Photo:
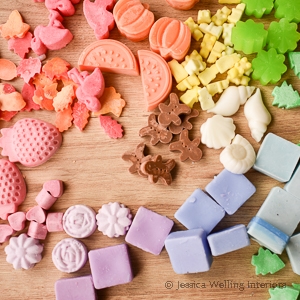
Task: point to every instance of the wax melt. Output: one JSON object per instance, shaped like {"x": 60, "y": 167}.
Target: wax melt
{"x": 285, "y": 96}
{"x": 258, "y": 8}
{"x": 182, "y": 4}
{"x": 37, "y": 214}
{"x": 64, "y": 7}
{"x": 288, "y": 10}
{"x": 6, "y": 232}
{"x": 10, "y": 99}
{"x": 37, "y": 230}
{"x": 292, "y": 186}
{"x": 294, "y": 59}
{"x": 287, "y": 293}
{"x": 293, "y": 252}
{"x": 17, "y": 220}
{"x": 54, "y": 221}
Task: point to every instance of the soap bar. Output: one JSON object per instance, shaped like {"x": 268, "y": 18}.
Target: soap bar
{"x": 200, "y": 211}
{"x": 189, "y": 251}
{"x": 293, "y": 252}
{"x": 267, "y": 235}
{"x": 285, "y": 153}
{"x": 230, "y": 190}
{"x": 293, "y": 185}
{"x": 110, "y": 266}
{"x": 228, "y": 240}
{"x": 149, "y": 230}
{"x": 281, "y": 209}
{"x": 80, "y": 288}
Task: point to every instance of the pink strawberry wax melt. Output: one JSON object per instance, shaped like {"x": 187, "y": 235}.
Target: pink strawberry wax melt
{"x": 30, "y": 141}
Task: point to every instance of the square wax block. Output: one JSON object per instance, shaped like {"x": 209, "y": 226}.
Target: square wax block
{"x": 267, "y": 235}
{"x": 293, "y": 185}
{"x": 110, "y": 266}
{"x": 189, "y": 251}
{"x": 277, "y": 157}
{"x": 293, "y": 251}
{"x": 149, "y": 230}
{"x": 79, "y": 288}
{"x": 281, "y": 209}
{"x": 230, "y": 190}
{"x": 200, "y": 211}
{"x": 228, "y": 240}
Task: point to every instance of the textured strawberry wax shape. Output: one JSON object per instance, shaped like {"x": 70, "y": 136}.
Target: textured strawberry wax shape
{"x": 30, "y": 141}
{"x": 12, "y": 188}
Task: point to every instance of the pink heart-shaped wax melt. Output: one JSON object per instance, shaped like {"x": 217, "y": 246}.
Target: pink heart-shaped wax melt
{"x": 17, "y": 220}
{"x": 54, "y": 187}
{"x": 37, "y": 214}
{"x": 5, "y": 232}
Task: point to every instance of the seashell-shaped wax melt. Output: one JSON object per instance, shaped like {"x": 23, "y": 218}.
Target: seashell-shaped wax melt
{"x": 257, "y": 115}
{"x": 217, "y": 132}
{"x": 239, "y": 156}
{"x": 231, "y": 99}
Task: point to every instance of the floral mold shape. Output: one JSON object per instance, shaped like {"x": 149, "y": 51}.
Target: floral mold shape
{"x": 113, "y": 219}
{"x": 268, "y": 66}
{"x": 287, "y": 9}
{"x": 258, "y": 8}
{"x": 283, "y": 36}
{"x": 249, "y": 37}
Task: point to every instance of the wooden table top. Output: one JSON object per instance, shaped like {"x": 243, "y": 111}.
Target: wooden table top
{"x": 90, "y": 165}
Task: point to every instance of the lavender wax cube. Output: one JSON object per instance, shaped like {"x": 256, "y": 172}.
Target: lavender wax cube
{"x": 110, "y": 266}
{"x": 230, "y": 190}
{"x": 149, "y": 230}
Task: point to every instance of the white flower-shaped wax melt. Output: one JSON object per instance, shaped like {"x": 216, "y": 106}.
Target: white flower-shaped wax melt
{"x": 217, "y": 132}
{"x": 257, "y": 115}
{"x": 231, "y": 99}
{"x": 23, "y": 251}
{"x": 239, "y": 156}
{"x": 113, "y": 219}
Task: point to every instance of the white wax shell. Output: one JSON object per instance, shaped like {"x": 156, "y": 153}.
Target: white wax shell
{"x": 231, "y": 99}
{"x": 257, "y": 115}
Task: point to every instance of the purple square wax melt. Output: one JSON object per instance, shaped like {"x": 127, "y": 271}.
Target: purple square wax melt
{"x": 149, "y": 230}
{"x": 200, "y": 211}
{"x": 230, "y": 190}
{"x": 189, "y": 251}
{"x": 110, "y": 266}
{"x": 79, "y": 288}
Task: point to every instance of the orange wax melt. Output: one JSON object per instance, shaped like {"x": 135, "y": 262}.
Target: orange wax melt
{"x": 182, "y": 4}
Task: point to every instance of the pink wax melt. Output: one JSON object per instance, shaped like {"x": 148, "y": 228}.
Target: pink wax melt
{"x": 17, "y": 220}
{"x": 54, "y": 222}
{"x": 37, "y": 214}
{"x": 5, "y": 232}
{"x": 37, "y": 230}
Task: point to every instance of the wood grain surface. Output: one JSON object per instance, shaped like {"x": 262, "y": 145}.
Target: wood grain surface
{"x": 90, "y": 165}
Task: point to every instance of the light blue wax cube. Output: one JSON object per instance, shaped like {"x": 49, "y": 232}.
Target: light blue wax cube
{"x": 293, "y": 251}
{"x": 277, "y": 157}
{"x": 200, "y": 211}
{"x": 228, "y": 240}
{"x": 230, "y": 190}
{"x": 281, "y": 209}
{"x": 293, "y": 185}
{"x": 267, "y": 235}
{"x": 189, "y": 251}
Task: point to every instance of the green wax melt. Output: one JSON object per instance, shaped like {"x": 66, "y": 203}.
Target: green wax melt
{"x": 289, "y": 9}
{"x": 266, "y": 262}
{"x": 286, "y": 293}
{"x": 283, "y": 36}
{"x": 249, "y": 37}
{"x": 268, "y": 66}
{"x": 294, "y": 58}
{"x": 258, "y": 8}
{"x": 285, "y": 96}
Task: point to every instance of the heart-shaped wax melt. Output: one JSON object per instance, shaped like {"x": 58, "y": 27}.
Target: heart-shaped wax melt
{"x": 17, "y": 220}
{"x": 5, "y": 232}
{"x": 37, "y": 214}
{"x": 54, "y": 187}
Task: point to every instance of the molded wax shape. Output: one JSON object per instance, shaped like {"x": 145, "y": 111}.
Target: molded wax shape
{"x": 200, "y": 211}
{"x": 98, "y": 16}
{"x": 230, "y": 190}
{"x": 257, "y": 115}
{"x": 268, "y": 66}
{"x": 79, "y": 221}
{"x": 231, "y": 99}
{"x": 10, "y": 99}
{"x": 228, "y": 240}
{"x": 64, "y": 7}
{"x": 293, "y": 252}
{"x": 5, "y": 232}
{"x": 283, "y": 36}
{"x": 109, "y": 56}
{"x": 239, "y": 156}
{"x": 285, "y": 96}
{"x": 287, "y": 9}
{"x": 134, "y": 19}
{"x": 281, "y": 209}
{"x": 189, "y": 251}
{"x": 293, "y": 185}
{"x": 258, "y": 8}
{"x": 37, "y": 214}
{"x": 170, "y": 38}
{"x": 23, "y": 251}
{"x": 217, "y": 132}
{"x": 286, "y": 293}
{"x": 266, "y": 262}
{"x": 267, "y": 235}
{"x": 17, "y": 220}
{"x": 75, "y": 288}
{"x": 110, "y": 266}
{"x": 294, "y": 58}
{"x": 54, "y": 222}
{"x": 285, "y": 153}
{"x": 69, "y": 255}
{"x": 8, "y": 70}
{"x": 249, "y": 37}
{"x": 182, "y": 4}
{"x": 149, "y": 230}
{"x": 37, "y": 230}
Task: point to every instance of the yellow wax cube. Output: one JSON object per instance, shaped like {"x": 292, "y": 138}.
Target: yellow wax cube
{"x": 216, "y": 52}
{"x": 204, "y": 16}
{"x": 177, "y": 70}
{"x": 188, "y": 83}
{"x": 205, "y": 99}
{"x": 236, "y": 13}
{"x": 207, "y": 44}
{"x": 190, "y": 97}
{"x": 208, "y": 75}
{"x": 221, "y": 16}
{"x": 217, "y": 87}
{"x": 212, "y": 29}
{"x": 227, "y": 29}
{"x": 226, "y": 62}
{"x": 194, "y": 28}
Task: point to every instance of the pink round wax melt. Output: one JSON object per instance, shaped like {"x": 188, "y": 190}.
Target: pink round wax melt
{"x": 79, "y": 221}
{"x": 69, "y": 255}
